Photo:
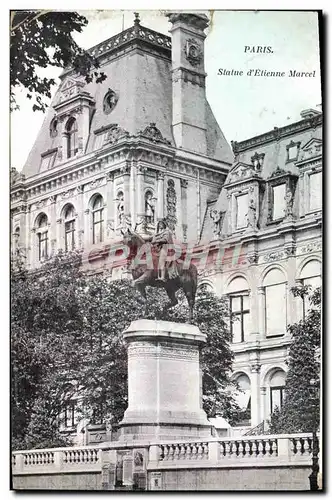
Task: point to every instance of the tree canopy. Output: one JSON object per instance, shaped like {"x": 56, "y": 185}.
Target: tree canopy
{"x": 66, "y": 342}
{"x": 45, "y": 38}
{"x": 301, "y": 409}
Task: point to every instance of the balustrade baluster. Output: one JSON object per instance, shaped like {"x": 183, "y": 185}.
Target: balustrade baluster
{"x": 182, "y": 451}
{"x": 200, "y": 451}
{"x": 176, "y": 452}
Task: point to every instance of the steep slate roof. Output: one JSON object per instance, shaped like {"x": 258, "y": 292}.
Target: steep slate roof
{"x": 137, "y": 63}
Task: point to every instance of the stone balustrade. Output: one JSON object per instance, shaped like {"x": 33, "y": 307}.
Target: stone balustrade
{"x": 261, "y": 451}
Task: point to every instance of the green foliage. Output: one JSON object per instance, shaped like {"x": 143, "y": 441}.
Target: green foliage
{"x": 300, "y": 412}
{"x": 44, "y": 38}
{"x": 66, "y": 342}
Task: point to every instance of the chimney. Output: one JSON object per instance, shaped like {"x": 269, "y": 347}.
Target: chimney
{"x": 188, "y": 80}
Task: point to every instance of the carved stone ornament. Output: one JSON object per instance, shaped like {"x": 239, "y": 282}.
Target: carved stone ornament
{"x": 115, "y": 133}
{"x": 251, "y": 216}
{"x": 171, "y": 205}
{"x": 16, "y": 177}
{"x": 217, "y": 217}
{"x": 152, "y": 133}
{"x": 257, "y": 160}
{"x": 110, "y": 101}
{"x": 193, "y": 51}
{"x": 278, "y": 171}
{"x": 138, "y": 459}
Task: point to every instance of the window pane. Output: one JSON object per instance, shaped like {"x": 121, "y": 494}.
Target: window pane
{"x": 241, "y": 210}
{"x": 235, "y": 304}
{"x": 279, "y": 201}
{"x": 237, "y": 329}
{"x": 246, "y": 322}
{"x": 245, "y": 302}
{"x": 275, "y": 399}
{"x": 275, "y": 309}
{"x": 315, "y": 191}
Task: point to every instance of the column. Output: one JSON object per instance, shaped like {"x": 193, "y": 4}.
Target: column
{"x": 79, "y": 242}
{"x": 59, "y": 232}
{"x": 126, "y": 194}
{"x": 140, "y": 195}
{"x": 132, "y": 201}
{"x": 110, "y": 223}
{"x": 261, "y": 311}
{"x": 298, "y": 303}
{"x": 184, "y": 185}
{"x": 53, "y": 235}
{"x": 198, "y": 201}
{"x": 255, "y": 394}
{"x": 263, "y": 405}
{"x": 160, "y": 195}
{"x": 33, "y": 255}
{"x": 87, "y": 235}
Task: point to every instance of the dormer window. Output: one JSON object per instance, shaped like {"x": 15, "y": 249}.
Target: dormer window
{"x": 71, "y": 133}
{"x": 292, "y": 149}
{"x": 241, "y": 211}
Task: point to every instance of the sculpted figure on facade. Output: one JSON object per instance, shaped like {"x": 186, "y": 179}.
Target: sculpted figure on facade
{"x": 289, "y": 203}
{"x": 149, "y": 208}
{"x": 251, "y": 215}
{"x": 217, "y": 218}
{"x": 120, "y": 208}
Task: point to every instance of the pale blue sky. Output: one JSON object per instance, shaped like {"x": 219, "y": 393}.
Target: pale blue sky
{"x": 243, "y": 106}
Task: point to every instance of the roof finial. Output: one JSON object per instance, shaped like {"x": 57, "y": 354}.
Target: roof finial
{"x": 137, "y": 19}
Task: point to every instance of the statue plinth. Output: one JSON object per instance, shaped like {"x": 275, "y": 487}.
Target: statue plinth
{"x": 164, "y": 382}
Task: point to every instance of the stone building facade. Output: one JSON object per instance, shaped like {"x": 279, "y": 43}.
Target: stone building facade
{"x": 144, "y": 145}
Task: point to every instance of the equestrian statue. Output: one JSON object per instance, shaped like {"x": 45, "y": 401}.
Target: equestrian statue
{"x": 160, "y": 272}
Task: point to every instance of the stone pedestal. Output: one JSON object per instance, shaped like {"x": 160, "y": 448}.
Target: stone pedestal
{"x": 164, "y": 382}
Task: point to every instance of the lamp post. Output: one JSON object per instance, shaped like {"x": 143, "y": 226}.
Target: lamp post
{"x": 315, "y": 446}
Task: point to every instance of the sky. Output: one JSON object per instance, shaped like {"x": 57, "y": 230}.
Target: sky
{"x": 243, "y": 106}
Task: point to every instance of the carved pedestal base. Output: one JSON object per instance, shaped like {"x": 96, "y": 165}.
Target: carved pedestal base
{"x": 164, "y": 382}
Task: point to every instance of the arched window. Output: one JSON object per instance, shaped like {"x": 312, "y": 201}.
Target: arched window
{"x": 277, "y": 388}
{"x": 243, "y": 398}
{"x": 275, "y": 303}
{"x": 311, "y": 275}
{"x": 239, "y": 308}
{"x": 69, "y": 216}
{"x": 71, "y": 132}
{"x": 205, "y": 287}
{"x": 42, "y": 234}
{"x": 97, "y": 219}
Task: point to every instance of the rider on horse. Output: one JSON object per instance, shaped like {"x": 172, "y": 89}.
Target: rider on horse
{"x": 161, "y": 241}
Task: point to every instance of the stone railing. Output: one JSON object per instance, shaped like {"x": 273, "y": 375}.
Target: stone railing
{"x": 260, "y": 451}
{"x": 245, "y": 450}
{"x": 56, "y": 460}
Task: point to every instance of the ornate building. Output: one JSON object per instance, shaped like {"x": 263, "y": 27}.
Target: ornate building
{"x": 144, "y": 145}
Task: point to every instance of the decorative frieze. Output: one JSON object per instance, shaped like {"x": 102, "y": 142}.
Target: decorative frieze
{"x": 273, "y": 256}
{"x": 162, "y": 350}
{"x": 315, "y": 246}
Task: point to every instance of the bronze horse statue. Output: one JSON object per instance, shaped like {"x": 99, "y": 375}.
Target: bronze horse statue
{"x": 146, "y": 275}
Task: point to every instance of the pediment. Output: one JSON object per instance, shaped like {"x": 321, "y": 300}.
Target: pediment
{"x": 241, "y": 171}
{"x": 311, "y": 149}
{"x": 69, "y": 88}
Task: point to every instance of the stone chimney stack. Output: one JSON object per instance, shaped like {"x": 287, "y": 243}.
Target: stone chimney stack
{"x": 188, "y": 80}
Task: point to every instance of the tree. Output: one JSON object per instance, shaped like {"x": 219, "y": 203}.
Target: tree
{"x": 301, "y": 408}
{"x": 44, "y": 38}
{"x": 67, "y": 343}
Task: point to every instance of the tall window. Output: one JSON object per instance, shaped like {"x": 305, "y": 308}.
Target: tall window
{"x": 241, "y": 211}
{"x": 315, "y": 191}
{"x": 310, "y": 275}
{"x": 243, "y": 398}
{"x": 275, "y": 303}
{"x": 70, "y": 415}
{"x": 97, "y": 216}
{"x": 71, "y": 132}
{"x": 42, "y": 234}
{"x": 278, "y": 200}
{"x": 239, "y": 309}
{"x": 69, "y": 216}
{"x": 277, "y": 388}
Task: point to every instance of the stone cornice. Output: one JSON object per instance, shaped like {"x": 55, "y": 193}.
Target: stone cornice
{"x": 277, "y": 134}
